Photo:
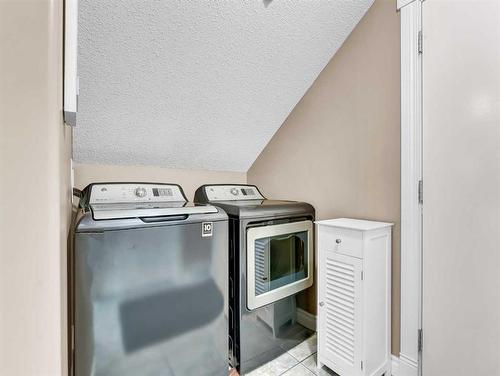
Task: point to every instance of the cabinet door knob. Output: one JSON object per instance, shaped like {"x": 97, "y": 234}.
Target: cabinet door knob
{"x": 321, "y": 304}
{"x": 338, "y": 241}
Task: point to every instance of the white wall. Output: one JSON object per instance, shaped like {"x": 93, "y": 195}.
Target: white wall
{"x": 461, "y": 229}
{"x": 198, "y": 84}
{"x": 35, "y": 149}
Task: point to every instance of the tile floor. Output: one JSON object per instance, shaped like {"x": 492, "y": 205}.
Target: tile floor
{"x": 298, "y": 361}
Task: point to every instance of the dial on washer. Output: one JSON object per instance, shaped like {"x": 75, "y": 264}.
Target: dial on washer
{"x": 140, "y": 192}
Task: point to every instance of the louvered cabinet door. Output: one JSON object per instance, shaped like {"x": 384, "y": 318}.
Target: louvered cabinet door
{"x": 339, "y": 313}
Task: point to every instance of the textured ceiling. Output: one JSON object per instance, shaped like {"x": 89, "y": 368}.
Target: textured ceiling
{"x": 198, "y": 84}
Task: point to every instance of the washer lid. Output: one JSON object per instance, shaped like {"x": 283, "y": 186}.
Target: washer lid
{"x": 144, "y": 210}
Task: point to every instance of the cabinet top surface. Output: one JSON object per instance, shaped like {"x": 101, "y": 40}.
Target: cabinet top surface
{"x": 354, "y": 224}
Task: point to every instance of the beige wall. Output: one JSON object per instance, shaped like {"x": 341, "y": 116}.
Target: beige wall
{"x": 340, "y": 147}
{"x": 35, "y": 148}
{"x": 189, "y": 180}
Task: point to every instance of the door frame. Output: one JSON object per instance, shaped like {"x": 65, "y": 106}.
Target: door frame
{"x": 410, "y": 356}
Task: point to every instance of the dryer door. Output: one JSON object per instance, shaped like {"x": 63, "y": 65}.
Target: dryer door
{"x": 279, "y": 261}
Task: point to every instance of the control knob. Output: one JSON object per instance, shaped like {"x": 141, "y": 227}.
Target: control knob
{"x": 141, "y": 192}
{"x": 234, "y": 191}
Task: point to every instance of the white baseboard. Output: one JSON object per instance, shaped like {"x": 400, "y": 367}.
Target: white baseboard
{"x": 306, "y": 319}
{"x": 395, "y": 365}
{"x": 407, "y": 366}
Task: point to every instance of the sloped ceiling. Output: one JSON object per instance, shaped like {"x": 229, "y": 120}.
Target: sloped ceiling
{"x": 198, "y": 84}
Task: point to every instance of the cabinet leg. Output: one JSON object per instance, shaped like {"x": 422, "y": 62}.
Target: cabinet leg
{"x": 319, "y": 365}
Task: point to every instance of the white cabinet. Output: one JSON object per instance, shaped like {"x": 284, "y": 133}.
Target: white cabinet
{"x": 354, "y": 296}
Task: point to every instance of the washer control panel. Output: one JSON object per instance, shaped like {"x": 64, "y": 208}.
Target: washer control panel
{"x": 232, "y": 192}
{"x": 135, "y": 192}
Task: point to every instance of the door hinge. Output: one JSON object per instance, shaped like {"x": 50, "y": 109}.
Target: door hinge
{"x": 362, "y": 275}
{"x": 420, "y": 42}
{"x": 72, "y": 337}
{"x": 361, "y": 365}
{"x": 420, "y": 340}
{"x": 420, "y": 192}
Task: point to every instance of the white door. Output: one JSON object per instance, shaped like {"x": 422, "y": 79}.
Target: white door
{"x": 340, "y": 310}
{"x": 461, "y": 201}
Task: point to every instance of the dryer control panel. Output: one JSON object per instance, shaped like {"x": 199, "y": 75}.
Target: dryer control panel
{"x": 232, "y": 192}
{"x": 135, "y": 192}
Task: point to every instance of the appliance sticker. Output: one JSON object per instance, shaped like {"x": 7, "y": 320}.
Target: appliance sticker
{"x": 206, "y": 229}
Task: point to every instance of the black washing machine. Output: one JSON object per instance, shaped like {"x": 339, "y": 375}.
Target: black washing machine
{"x": 271, "y": 254}
{"x": 148, "y": 283}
